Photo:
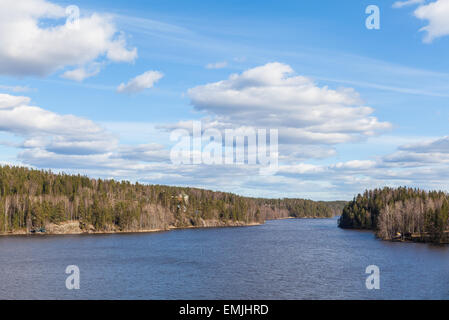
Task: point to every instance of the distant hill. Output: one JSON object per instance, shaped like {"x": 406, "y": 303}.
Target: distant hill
{"x": 42, "y": 201}
{"x": 335, "y": 206}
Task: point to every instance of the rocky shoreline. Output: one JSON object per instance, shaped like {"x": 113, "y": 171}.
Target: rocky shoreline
{"x": 73, "y": 228}
{"x": 421, "y": 238}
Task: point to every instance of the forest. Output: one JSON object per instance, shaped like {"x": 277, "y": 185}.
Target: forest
{"x": 400, "y": 214}
{"x": 33, "y": 200}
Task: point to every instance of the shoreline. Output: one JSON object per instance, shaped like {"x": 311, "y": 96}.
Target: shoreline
{"x": 170, "y": 228}
{"x": 208, "y": 225}
{"x": 424, "y": 238}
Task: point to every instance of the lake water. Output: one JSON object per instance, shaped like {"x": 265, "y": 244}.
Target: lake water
{"x": 286, "y": 259}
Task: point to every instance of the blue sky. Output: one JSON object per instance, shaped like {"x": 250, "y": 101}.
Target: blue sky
{"x": 193, "y": 45}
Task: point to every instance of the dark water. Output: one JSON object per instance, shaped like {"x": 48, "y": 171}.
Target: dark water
{"x": 289, "y": 259}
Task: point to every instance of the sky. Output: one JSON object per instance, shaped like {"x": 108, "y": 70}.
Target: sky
{"x": 101, "y": 93}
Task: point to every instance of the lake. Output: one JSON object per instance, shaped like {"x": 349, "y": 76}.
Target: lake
{"x": 283, "y": 259}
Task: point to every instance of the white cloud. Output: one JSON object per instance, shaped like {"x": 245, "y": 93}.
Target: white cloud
{"x": 270, "y": 96}
{"x": 47, "y": 130}
{"x": 141, "y": 82}
{"x": 33, "y": 43}
{"x": 420, "y": 154}
{"x": 82, "y": 73}
{"x": 302, "y": 169}
{"x": 437, "y": 14}
{"x": 401, "y": 4}
{"x": 440, "y": 145}
{"x": 294, "y": 153}
{"x": 217, "y": 65}
{"x": 66, "y": 141}
{"x": 15, "y": 89}
{"x": 146, "y": 152}
{"x": 8, "y": 101}
{"x": 355, "y": 165}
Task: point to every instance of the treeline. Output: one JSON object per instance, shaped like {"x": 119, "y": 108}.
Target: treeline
{"x": 336, "y": 207}
{"x": 32, "y": 199}
{"x": 402, "y": 214}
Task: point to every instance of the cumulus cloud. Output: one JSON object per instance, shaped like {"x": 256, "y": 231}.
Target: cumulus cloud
{"x": 47, "y": 130}
{"x": 82, "y": 73}
{"x": 440, "y": 145}
{"x": 310, "y": 119}
{"x": 271, "y": 96}
{"x": 424, "y": 164}
{"x": 67, "y": 141}
{"x": 436, "y": 13}
{"x": 355, "y": 165}
{"x": 8, "y": 101}
{"x": 420, "y": 154}
{"x": 141, "y": 82}
{"x": 34, "y": 42}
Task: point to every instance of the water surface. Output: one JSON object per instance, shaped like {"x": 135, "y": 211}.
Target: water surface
{"x": 285, "y": 259}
